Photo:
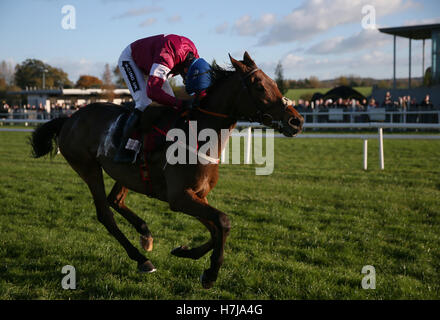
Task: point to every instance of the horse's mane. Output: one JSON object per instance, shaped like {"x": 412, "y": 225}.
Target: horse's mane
{"x": 219, "y": 74}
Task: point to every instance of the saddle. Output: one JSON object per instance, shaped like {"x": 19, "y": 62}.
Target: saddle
{"x": 151, "y": 132}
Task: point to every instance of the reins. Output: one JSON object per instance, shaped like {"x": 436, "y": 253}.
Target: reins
{"x": 214, "y": 114}
{"x": 222, "y": 115}
{"x": 218, "y": 115}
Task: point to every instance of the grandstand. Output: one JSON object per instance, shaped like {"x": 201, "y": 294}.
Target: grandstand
{"x": 423, "y": 33}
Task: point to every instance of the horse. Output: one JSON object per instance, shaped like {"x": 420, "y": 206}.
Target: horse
{"x": 243, "y": 92}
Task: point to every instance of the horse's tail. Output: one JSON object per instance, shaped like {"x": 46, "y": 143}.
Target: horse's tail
{"x": 43, "y": 137}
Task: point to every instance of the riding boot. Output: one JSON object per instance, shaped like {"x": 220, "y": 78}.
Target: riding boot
{"x": 125, "y": 153}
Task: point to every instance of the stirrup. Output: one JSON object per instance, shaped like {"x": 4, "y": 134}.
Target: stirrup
{"x": 128, "y": 152}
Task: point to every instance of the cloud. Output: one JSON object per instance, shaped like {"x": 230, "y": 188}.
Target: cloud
{"x": 421, "y": 21}
{"x": 75, "y": 68}
{"x": 317, "y": 16}
{"x": 375, "y": 57}
{"x": 222, "y": 28}
{"x": 148, "y": 22}
{"x": 138, "y": 12}
{"x": 246, "y": 26}
{"x": 374, "y": 63}
{"x": 291, "y": 61}
{"x": 365, "y": 39}
{"x": 175, "y": 19}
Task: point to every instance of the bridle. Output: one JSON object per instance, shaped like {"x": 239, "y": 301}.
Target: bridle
{"x": 261, "y": 116}
{"x": 260, "y": 112}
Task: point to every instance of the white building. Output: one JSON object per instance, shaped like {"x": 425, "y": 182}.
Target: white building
{"x": 67, "y": 98}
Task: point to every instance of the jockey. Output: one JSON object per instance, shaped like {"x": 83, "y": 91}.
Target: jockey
{"x": 159, "y": 57}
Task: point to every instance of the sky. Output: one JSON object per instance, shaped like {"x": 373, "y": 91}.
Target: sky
{"x": 322, "y": 38}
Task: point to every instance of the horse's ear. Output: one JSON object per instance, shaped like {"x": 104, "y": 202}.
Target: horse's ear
{"x": 238, "y": 65}
{"x": 248, "y": 60}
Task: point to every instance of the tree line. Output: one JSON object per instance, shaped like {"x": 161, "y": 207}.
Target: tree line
{"x": 29, "y": 73}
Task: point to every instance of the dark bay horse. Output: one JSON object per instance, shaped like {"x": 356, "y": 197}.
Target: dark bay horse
{"x": 245, "y": 93}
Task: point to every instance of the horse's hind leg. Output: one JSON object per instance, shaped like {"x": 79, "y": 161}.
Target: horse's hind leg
{"x": 92, "y": 175}
{"x": 116, "y": 199}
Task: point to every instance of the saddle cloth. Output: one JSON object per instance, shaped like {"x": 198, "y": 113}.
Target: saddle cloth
{"x": 145, "y": 141}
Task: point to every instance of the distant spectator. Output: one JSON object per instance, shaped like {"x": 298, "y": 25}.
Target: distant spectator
{"x": 4, "y": 108}
{"x": 427, "y": 102}
{"x": 408, "y": 102}
{"x": 400, "y": 102}
{"x": 41, "y": 112}
{"x": 364, "y": 102}
{"x": 353, "y": 104}
{"x": 340, "y": 103}
{"x": 405, "y": 103}
{"x": 387, "y": 102}
{"x": 360, "y": 106}
{"x": 371, "y": 104}
{"x": 317, "y": 104}
{"x": 307, "y": 104}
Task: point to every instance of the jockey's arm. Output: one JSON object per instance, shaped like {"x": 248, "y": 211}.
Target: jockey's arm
{"x": 158, "y": 76}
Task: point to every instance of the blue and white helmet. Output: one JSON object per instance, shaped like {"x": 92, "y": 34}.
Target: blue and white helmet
{"x": 198, "y": 77}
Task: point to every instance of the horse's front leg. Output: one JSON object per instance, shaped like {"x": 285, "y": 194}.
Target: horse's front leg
{"x": 192, "y": 253}
{"x": 188, "y": 202}
{"x": 198, "y": 252}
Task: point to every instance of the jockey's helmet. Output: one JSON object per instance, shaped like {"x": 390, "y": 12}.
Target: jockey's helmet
{"x": 198, "y": 77}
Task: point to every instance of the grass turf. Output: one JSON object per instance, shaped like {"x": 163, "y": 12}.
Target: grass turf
{"x": 305, "y": 232}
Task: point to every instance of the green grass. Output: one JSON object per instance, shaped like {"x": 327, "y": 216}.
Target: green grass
{"x": 305, "y": 232}
{"x": 295, "y": 94}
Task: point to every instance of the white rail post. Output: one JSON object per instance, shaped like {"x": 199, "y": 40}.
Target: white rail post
{"x": 247, "y": 155}
{"x": 381, "y": 158}
{"x": 365, "y": 154}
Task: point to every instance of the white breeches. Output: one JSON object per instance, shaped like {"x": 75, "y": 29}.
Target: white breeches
{"x": 135, "y": 80}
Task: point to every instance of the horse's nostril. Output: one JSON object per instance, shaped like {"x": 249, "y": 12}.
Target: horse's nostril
{"x": 295, "y": 122}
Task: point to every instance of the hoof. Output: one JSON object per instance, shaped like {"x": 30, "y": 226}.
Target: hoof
{"x": 147, "y": 243}
{"x": 206, "y": 284}
{"x": 181, "y": 251}
{"x": 146, "y": 267}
